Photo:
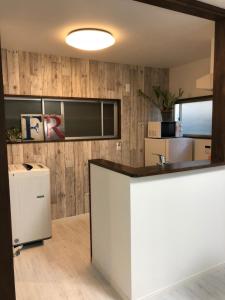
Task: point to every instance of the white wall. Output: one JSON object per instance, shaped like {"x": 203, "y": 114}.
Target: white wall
{"x": 177, "y": 228}
{"x": 111, "y": 244}
{"x": 151, "y": 233}
{"x": 185, "y": 77}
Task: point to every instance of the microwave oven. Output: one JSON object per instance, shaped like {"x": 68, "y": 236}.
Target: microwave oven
{"x": 164, "y": 130}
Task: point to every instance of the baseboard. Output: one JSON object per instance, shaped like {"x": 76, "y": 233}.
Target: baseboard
{"x": 157, "y": 292}
{"x": 181, "y": 282}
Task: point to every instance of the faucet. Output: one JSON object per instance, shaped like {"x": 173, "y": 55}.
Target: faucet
{"x": 162, "y": 159}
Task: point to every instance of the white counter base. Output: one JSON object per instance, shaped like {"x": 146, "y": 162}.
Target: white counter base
{"x": 153, "y": 232}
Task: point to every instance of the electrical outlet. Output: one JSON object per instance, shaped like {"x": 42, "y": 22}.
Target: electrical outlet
{"x": 118, "y": 146}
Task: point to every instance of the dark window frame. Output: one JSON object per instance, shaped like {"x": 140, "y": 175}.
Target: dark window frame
{"x": 193, "y": 100}
{"x": 117, "y": 116}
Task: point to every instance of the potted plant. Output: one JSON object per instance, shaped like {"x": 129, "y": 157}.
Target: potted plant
{"x": 13, "y": 135}
{"x": 164, "y": 100}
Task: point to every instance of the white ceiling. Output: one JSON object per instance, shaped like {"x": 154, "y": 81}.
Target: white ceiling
{"x": 145, "y": 34}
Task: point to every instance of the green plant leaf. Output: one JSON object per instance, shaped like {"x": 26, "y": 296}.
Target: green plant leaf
{"x": 164, "y": 99}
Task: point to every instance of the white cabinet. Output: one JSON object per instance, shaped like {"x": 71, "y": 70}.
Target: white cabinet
{"x": 174, "y": 150}
{"x": 202, "y": 149}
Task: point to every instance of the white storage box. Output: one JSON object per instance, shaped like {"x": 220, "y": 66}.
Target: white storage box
{"x": 30, "y": 203}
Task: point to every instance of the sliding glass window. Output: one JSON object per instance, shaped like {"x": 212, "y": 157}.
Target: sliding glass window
{"x": 16, "y": 106}
{"x": 84, "y": 118}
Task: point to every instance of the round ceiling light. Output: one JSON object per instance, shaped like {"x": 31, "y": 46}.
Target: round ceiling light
{"x": 90, "y": 39}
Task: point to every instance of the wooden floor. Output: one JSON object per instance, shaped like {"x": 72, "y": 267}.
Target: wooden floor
{"x": 61, "y": 269}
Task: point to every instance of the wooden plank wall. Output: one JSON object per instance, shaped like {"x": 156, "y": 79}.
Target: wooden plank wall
{"x": 48, "y": 75}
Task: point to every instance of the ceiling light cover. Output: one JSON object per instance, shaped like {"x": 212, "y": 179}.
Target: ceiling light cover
{"x": 90, "y": 39}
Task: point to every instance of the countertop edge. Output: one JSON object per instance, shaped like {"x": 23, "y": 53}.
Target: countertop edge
{"x": 155, "y": 170}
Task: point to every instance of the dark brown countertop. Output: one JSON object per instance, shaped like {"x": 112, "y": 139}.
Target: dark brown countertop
{"x": 155, "y": 170}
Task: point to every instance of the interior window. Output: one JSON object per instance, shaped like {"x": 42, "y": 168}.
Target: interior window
{"x": 14, "y": 109}
{"x": 82, "y": 119}
{"x": 52, "y": 107}
{"x": 108, "y": 119}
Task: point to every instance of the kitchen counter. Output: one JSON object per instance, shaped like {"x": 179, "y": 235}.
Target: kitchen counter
{"x": 154, "y": 227}
{"x": 154, "y": 170}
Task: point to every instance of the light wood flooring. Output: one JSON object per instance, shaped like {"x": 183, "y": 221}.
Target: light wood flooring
{"x": 61, "y": 269}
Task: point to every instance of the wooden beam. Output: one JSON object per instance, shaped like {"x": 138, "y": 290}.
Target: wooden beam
{"x": 218, "y": 142}
{"x": 7, "y": 286}
{"x": 190, "y": 7}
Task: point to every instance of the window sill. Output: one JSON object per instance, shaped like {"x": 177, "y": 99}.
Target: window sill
{"x": 63, "y": 141}
{"x": 194, "y": 136}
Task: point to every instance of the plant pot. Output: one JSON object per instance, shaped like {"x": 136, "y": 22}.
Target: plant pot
{"x": 167, "y": 116}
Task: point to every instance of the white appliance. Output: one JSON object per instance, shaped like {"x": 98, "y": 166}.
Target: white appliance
{"x": 164, "y": 129}
{"x": 30, "y": 203}
{"x": 173, "y": 149}
{"x": 202, "y": 149}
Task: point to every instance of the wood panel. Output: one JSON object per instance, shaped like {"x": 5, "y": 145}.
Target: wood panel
{"x": 190, "y": 7}
{"x": 7, "y": 290}
{"x": 47, "y": 75}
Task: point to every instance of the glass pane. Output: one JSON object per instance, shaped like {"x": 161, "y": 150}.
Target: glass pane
{"x": 14, "y": 109}
{"x": 82, "y": 119}
{"x": 108, "y": 118}
{"x": 52, "y": 107}
{"x": 197, "y": 118}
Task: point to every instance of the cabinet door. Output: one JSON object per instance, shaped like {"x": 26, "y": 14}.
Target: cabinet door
{"x": 179, "y": 149}
{"x": 152, "y": 147}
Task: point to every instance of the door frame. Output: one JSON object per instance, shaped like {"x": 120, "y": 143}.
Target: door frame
{"x": 190, "y": 7}
{"x": 213, "y": 13}
{"x": 7, "y": 284}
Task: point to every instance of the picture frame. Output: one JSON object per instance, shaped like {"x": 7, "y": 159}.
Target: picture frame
{"x": 32, "y": 127}
{"x": 54, "y": 127}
